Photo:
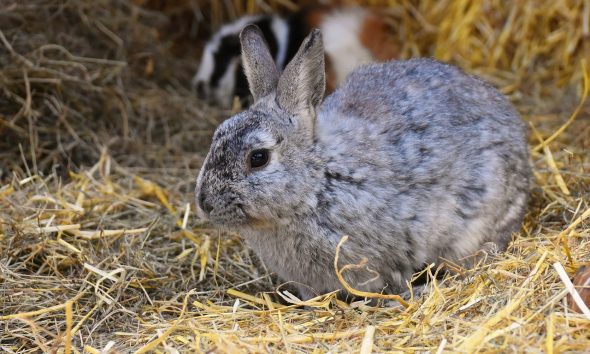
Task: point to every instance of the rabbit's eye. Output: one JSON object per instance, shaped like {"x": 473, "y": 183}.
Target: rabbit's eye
{"x": 259, "y": 158}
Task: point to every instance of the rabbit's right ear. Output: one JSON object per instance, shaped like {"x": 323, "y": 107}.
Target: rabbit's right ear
{"x": 259, "y": 66}
{"x": 302, "y": 84}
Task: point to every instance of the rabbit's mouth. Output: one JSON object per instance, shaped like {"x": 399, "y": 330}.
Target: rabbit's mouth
{"x": 235, "y": 217}
{"x": 250, "y": 220}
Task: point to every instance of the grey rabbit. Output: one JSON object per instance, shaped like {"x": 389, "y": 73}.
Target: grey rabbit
{"x": 414, "y": 160}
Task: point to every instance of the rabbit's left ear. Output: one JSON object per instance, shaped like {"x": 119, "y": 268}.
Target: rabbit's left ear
{"x": 259, "y": 66}
{"x": 303, "y": 83}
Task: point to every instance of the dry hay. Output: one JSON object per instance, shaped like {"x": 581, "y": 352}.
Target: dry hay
{"x": 101, "y": 139}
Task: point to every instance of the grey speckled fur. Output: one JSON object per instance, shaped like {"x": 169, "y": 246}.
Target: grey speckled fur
{"x": 413, "y": 160}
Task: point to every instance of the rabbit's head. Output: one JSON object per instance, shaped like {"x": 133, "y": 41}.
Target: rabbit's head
{"x": 262, "y": 167}
{"x": 220, "y": 76}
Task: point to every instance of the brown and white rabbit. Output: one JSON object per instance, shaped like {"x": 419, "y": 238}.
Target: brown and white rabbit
{"x": 353, "y": 36}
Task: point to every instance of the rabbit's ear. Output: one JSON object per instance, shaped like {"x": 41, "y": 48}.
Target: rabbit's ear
{"x": 259, "y": 65}
{"x": 302, "y": 84}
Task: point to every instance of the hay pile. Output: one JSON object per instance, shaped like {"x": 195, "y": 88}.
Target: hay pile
{"x": 100, "y": 141}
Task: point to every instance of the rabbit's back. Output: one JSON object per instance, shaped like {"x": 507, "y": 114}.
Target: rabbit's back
{"x": 435, "y": 157}
{"x": 423, "y": 91}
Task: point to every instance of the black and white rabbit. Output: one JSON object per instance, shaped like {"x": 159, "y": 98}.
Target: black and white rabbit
{"x": 353, "y": 36}
{"x": 414, "y": 160}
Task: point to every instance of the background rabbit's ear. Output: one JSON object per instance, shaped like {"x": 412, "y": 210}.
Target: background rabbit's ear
{"x": 302, "y": 84}
{"x": 259, "y": 66}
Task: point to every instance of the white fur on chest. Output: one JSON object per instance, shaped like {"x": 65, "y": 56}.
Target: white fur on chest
{"x": 342, "y": 44}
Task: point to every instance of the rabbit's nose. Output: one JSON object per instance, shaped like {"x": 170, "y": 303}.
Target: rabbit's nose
{"x": 203, "y": 204}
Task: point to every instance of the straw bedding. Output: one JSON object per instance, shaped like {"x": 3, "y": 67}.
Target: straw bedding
{"x": 101, "y": 139}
